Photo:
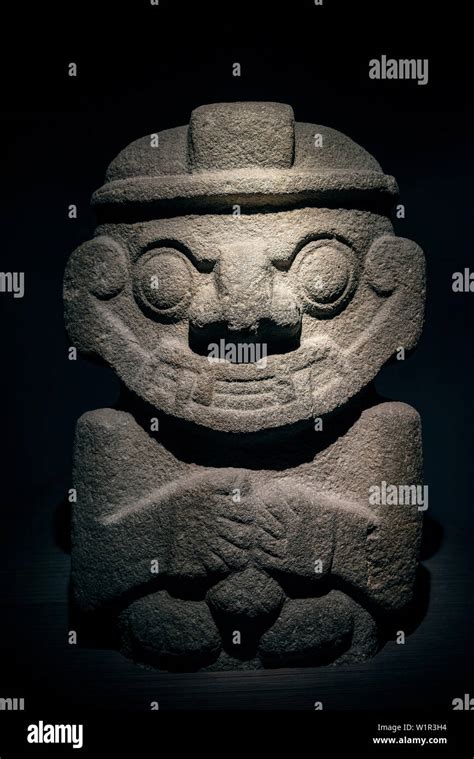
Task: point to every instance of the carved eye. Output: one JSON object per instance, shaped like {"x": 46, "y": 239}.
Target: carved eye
{"x": 326, "y": 273}
{"x": 163, "y": 281}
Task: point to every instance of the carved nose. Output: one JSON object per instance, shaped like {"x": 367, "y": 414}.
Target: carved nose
{"x": 245, "y": 303}
{"x": 244, "y": 286}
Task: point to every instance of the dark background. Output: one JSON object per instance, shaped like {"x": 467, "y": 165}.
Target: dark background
{"x": 142, "y": 69}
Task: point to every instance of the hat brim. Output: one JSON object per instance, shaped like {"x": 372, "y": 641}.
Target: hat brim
{"x": 258, "y": 188}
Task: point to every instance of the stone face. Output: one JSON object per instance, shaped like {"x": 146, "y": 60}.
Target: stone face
{"x": 246, "y": 285}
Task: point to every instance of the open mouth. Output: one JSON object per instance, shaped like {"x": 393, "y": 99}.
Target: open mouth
{"x": 243, "y": 346}
{"x": 273, "y": 380}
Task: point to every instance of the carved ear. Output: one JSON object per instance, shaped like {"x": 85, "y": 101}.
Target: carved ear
{"x": 96, "y": 270}
{"x": 395, "y": 268}
{"x": 99, "y": 266}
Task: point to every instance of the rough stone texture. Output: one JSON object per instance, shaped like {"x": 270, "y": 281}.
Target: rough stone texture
{"x": 169, "y": 633}
{"x": 316, "y": 630}
{"x": 238, "y": 534}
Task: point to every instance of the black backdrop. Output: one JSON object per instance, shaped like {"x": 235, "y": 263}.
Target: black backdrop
{"x": 142, "y": 69}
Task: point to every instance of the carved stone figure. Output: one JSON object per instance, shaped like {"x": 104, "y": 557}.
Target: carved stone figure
{"x": 246, "y": 285}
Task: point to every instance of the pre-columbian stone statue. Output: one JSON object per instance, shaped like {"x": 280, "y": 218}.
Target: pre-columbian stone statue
{"x": 245, "y": 284}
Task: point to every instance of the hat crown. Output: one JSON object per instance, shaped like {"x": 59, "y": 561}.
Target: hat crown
{"x": 241, "y": 135}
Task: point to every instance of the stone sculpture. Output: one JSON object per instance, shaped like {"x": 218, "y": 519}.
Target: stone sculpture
{"x": 223, "y": 518}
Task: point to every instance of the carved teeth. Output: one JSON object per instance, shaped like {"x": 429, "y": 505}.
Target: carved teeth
{"x": 204, "y": 389}
{"x": 184, "y": 386}
{"x": 303, "y": 388}
{"x": 285, "y": 391}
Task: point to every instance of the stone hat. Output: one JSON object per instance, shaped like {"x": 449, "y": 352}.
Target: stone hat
{"x": 248, "y": 153}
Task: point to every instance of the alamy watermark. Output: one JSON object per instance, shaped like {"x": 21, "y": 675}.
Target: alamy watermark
{"x": 12, "y": 704}
{"x": 46, "y": 733}
{"x": 463, "y": 281}
{"x": 12, "y": 282}
{"x": 399, "y": 495}
{"x": 238, "y": 353}
{"x": 401, "y": 68}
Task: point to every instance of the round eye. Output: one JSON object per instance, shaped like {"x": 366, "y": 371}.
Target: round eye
{"x": 163, "y": 282}
{"x": 326, "y": 274}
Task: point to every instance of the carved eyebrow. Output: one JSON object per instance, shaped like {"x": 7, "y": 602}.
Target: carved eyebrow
{"x": 284, "y": 261}
{"x": 204, "y": 265}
